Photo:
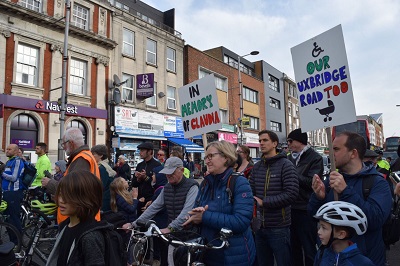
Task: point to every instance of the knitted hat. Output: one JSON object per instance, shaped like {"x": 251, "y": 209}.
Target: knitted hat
{"x": 297, "y": 135}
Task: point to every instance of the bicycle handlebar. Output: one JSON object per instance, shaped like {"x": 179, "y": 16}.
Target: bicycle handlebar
{"x": 153, "y": 230}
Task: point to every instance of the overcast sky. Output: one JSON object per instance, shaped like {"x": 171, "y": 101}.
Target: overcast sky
{"x": 371, "y": 30}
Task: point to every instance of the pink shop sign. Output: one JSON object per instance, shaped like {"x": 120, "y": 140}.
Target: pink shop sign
{"x": 229, "y": 137}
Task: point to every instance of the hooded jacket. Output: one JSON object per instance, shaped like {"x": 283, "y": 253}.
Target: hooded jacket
{"x": 274, "y": 180}
{"x": 223, "y": 214}
{"x": 376, "y": 207}
{"x": 351, "y": 256}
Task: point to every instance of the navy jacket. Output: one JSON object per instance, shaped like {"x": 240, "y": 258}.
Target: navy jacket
{"x": 351, "y": 256}
{"x": 376, "y": 207}
{"x": 274, "y": 180}
{"x": 222, "y": 214}
{"x": 129, "y": 211}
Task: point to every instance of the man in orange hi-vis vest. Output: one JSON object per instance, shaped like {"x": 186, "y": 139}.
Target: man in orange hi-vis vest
{"x": 80, "y": 158}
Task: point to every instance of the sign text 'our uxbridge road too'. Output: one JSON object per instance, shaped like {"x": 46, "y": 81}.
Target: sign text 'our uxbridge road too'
{"x": 305, "y": 86}
{"x": 198, "y": 105}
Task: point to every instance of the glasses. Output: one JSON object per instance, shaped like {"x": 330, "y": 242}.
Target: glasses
{"x": 211, "y": 155}
{"x": 63, "y": 144}
{"x": 160, "y": 154}
{"x": 289, "y": 141}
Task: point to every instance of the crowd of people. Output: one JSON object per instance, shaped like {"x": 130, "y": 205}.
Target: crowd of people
{"x": 280, "y": 209}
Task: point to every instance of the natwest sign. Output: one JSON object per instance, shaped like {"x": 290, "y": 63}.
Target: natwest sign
{"x": 53, "y": 106}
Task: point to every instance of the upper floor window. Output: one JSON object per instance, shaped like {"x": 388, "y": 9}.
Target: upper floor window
{"x": 127, "y": 88}
{"x": 35, "y": 5}
{"x": 171, "y": 58}
{"x": 80, "y": 17}
{"x": 274, "y": 103}
{"x": 27, "y": 64}
{"x": 273, "y": 83}
{"x": 292, "y": 90}
{"x": 78, "y": 77}
{"x": 152, "y": 101}
{"x": 254, "y": 123}
{"x": 171, "y": 98}
{"x": 151, "y": 54}
{"x": 220, "y": 82}
{"x": 275, "y": 126}
{"x": 223, "y": 116}
{"x": 128, "y": 47}
{"x": 250, "y": 95}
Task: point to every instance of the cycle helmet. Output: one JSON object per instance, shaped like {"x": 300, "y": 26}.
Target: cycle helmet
{"x": 343, "y": 214}
{"x": 46, "y": 208}
{"x": 3, "y": 205}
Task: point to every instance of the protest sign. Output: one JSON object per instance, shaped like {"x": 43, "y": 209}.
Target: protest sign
{"x": 199, "y": 107}
{"x": 323, "y": 81}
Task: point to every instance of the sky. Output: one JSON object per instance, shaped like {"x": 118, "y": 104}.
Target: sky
{"x": 371, "y": 30}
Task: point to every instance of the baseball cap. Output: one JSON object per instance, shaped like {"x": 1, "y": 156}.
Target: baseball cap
{"x": 171, "y": 164}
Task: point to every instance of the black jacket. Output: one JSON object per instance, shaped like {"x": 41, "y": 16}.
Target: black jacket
{"x": 310, "y": 163}
{"x": 275, "y": 181}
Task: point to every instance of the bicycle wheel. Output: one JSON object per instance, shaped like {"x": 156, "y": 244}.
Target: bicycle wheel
{"x": 143, "y": 252}
{"x": 9, "y": 233}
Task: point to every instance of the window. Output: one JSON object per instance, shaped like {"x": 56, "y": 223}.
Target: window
{"x": 274, "y": 103}
{"x": 152, "y": 101}
{"x": 289, "y": 106}
{"x": 77, "y": 78}
{"x": 275, "y": 126}
{"x": 27, "y": 64}
{"x": 220, "y": 82}
{"x": 35, "y": 5}
{"x": 292, "y": 90}
{"x": 171, "y": 99}
{"x": 128, "y": 47}
{"x": 254, "y": 123}
{"x": 82, "y": 128}
{"x": 171, "y": 59}
{"x": 127, "y": 88}
{"x": 151, "y": 55}
{"x": 250, "y": 95}
{"x": 80, "y": 17}
{"x": 223, "y": 115}
{"x": 273, "y": 83}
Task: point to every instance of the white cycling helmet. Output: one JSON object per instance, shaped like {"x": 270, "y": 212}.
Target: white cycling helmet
{"x": 342, "y": 213}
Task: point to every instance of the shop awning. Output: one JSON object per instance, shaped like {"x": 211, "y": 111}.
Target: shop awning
{"x": 141, "y": 137}
{"x": 187, "y": 144}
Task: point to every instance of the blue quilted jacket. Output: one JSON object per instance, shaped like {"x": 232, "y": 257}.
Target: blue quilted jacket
{"x": 223, "y": 214}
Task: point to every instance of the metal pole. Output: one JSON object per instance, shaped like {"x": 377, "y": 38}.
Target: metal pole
{"x": 64, "y": 79}
{"x": 241, "y": 102}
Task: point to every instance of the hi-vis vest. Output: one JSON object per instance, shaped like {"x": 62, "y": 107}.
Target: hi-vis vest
{"x": 94, "y": 168}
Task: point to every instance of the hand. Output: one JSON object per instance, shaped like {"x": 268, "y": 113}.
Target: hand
{"x": 336, "y": 182}
{"x": 142, "y": 199}
{"x": 196, "y": 215}
{"x": 135, "y": 192}
{"x": 319, "y": 187}
{"x": 165, "y": 230}
{"x": 397, "y": 189}
{"x": 259, "y": 201}
{"x": 45, "y": 181}
{"x": 147, "y": 205}
{"x": 127, "y": 226}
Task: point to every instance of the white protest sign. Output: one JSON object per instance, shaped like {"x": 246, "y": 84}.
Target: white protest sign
{"x": 199, "y": 107}
{"x": 323, "y": 81}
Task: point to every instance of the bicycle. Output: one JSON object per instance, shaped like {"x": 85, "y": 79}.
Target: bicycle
{"x": 8, "y": 230}
{"x": 193, "y": 246}
{"x": 38, "y": 233}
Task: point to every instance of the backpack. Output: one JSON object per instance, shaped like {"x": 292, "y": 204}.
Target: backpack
{"x": 115, "y": 253}
{"x": 230, "y": 185}
{"x": 391, "y": 228}
{"x": 28, "y": 175}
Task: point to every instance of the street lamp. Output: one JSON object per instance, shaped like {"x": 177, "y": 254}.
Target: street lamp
{"x": 241, "y": 94}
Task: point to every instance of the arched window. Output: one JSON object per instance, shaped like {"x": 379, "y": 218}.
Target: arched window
{"x": 81, "y": 126}
{"x": 24, "y": 131}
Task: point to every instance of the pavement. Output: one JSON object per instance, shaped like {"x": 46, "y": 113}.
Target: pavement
{"x": 393, "y": 255}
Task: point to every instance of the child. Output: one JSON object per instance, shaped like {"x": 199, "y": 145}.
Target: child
{"x": 122, "y": 200}
{"x": 338, "y": 221}
{"x": 80, "y": 241}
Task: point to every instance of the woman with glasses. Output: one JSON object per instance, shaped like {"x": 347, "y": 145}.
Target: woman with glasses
{"x": 215, "y": 209}
{"x": 247, "y": 162}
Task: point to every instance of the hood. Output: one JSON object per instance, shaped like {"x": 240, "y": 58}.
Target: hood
{"x": 109, "y": 170}
{"x": 367, "y": 169}
{"x": 62, "y": 164}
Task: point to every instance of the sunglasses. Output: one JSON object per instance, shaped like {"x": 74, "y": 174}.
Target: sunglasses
{"x": 160, "y": 154}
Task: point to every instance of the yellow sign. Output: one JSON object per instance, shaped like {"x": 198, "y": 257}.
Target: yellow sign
{"x": 245, "y": 121}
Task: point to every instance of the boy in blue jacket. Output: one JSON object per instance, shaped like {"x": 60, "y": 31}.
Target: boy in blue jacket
{"x": 338, "y": 221}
